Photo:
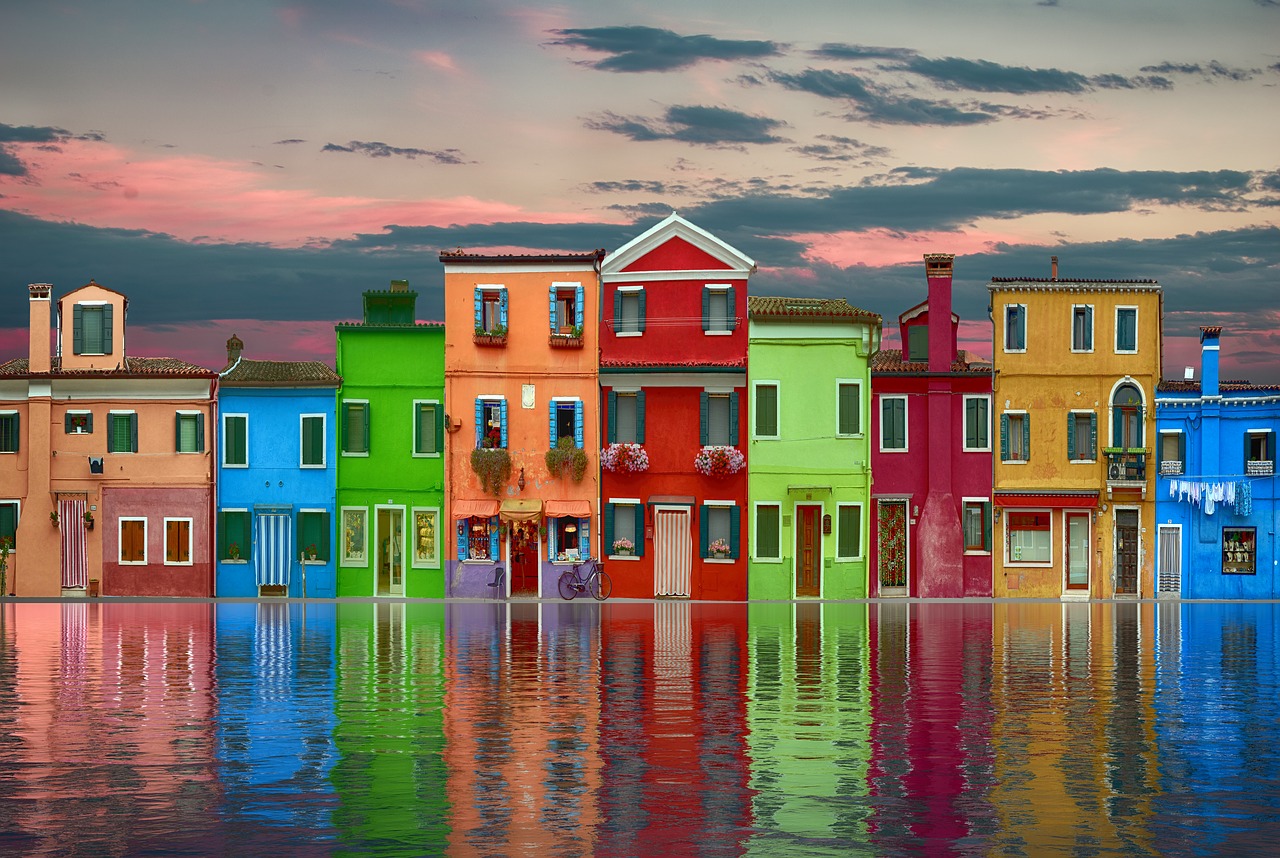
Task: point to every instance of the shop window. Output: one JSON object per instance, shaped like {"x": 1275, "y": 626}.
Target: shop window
{"x": 1030, "y": 537}
{"x": 1239, "y": 550}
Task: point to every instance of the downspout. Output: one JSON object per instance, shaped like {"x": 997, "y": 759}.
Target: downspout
{"x": 213, "y": 485}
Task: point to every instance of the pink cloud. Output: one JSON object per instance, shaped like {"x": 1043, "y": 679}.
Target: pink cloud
{"x": 437, "y": 60}
{"x": 880, "y": 247}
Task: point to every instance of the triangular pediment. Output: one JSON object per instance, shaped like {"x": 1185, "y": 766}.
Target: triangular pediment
{"x": 675, "y": 244}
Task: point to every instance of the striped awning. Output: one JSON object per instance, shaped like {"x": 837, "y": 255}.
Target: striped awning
{"x": 75, "y": 565}
{"x": 272, "y": 555}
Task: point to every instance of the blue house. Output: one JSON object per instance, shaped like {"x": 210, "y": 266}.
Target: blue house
{"x": 1216, "y": 485}
{"x": 276, "y": 477}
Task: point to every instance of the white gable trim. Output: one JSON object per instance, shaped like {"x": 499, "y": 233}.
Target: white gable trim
{"x": 675, "y": 226}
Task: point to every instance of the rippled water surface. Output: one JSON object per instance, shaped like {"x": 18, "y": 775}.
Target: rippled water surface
{"x": 630, "y": 729}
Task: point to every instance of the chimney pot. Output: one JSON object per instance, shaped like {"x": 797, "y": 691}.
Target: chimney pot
{"x": 234, "y": 346}
{"x": 1053, "y": 264}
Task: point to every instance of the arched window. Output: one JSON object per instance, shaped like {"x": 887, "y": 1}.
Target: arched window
{"x": 1126, "y": 417}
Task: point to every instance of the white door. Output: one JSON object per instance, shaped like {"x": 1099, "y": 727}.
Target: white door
{"x": 1169, "y": 575}
{"x": 673, "y": 547}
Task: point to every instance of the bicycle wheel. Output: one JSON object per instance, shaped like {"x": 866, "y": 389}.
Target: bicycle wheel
{"x": 600, "y": 586}
{"x": 567, "y": 590}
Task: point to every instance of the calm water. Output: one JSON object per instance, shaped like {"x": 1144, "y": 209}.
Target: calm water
{"x": 638, "y": 729}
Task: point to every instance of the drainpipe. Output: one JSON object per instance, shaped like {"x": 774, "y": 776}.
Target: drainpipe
{"x": 213, "y": 487}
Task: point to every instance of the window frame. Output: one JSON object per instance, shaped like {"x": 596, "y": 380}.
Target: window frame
{"x": 342, "y": 413}
{"x": 11, "y": 414}
{"x": 610, "y": 533}
{"x": 436, "y": 421}
{"x": 986, "y": 510}
{"x": 862, "y": 550}
{"x": 120, "y": 522}
{"x": 730, "y": 320}
{"x": 1023, "y": 316}
{"x": 16, "y": 503}
{"x": 576, "y": 407}
{"x": 322, "y": 557}
{"x": 727, "y": 396}
{"x": 859, "y": 416}
{"x": 756, "y": 386}
{"x": 965, "y": 447}
{"x": 191, "y": 539}
{"x": 133, "y": 429}
{"x": 226, "y": 416}
{"x": 223, "y": 547}
{"x": 1239, "y": 567}
{"x": 180, "y": 416}
{"x": 615, "y": 396}
{"x": 498, "y": 401}
{"x": 483, "y": 292}
{"x": 1161, "y": 435}
{"x": 729, "y": 508}
{"x": 71, "y": 413}
{"x": 621, "y": 295}
{"x": 1119, "y": 309}
{"x": 1008, "y": 539}
{"x": 98, "y": 307}
{"x": 906, "y": 423}
{"x": 302, "y": 440}
{"x": 1089, "y": 333}
{"x": 1075, "y": 414}
{"x": 756, "y": 556}
{"x": 1023, "y": 436}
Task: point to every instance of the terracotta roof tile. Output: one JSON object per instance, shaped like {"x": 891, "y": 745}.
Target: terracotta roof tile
{"x": 462, "y": 256}
{"x": 1233, "y": 386}
{"x": 806, "y": 308}
{"x": 639, "y": 363}
{"x": 134, "y": 367}
{"x": 280, "y": 373}
{"x": 890, "y": 361}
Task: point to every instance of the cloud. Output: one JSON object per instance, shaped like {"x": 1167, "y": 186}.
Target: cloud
{"x": 836, "y": 148}
{"x": 643, "y": 49}
{"x": 704, "y": 126}
{"x": 985, "y": 76}
{"x": 1211, "y": 69}
{"x": 375, "y": 149}
{"x": 289, "y": 142}
{"x": 873, "y": 106}
{"x": 44, "y": 136}
{"x": 839, "y": 51}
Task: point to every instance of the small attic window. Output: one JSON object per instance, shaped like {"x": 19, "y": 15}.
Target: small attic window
{"x": 918, "y": 344}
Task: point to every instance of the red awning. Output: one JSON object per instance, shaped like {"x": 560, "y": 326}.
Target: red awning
{"x": 474, "y": 508}
{"x": 1049, "y": 500}
{"x": 568, "y": 509}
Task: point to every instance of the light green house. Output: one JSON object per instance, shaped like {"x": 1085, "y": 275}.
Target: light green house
{"x": 390, "y": 480}
{"x": 809, "y": 463}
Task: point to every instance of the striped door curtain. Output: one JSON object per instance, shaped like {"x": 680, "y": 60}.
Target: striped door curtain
{"x": 272, "y": 555}
{"x": 75, "y": 565}
{"x": 673, "y": 544}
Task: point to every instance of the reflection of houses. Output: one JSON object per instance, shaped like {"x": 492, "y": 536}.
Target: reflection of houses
{"x": 808, "y": 368}
{"x": 673, "y": 354}
{"x": 520, "y": 375}
{"x": 390, "y": 436}
{"x": 276, "y": 472}
{"x": 1076, "y": 368}
{"x": 106, "y": 471}
{"x": 931, "y": 454}
{"x": 1216, "y": 484}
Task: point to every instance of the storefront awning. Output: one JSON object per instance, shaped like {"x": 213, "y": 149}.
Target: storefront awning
{"x": 520, "y": 509}
{"x": 474, "y": 508}
{"x": 568, "y": 509}
{"x": 1047, "y": 499}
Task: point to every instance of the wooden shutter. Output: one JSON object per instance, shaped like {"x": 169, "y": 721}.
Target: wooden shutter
{"x": 986, "y": 526}
{"x": 1093, "y": 436}
{"x": 177, "y": 432}
{"x": 639, "y": 416}
{"x": 731, "y": 310}
{"x": 637, "y": 521}
{"x": 733, "y": 418}
{"x": 579, "y": 300}
{"x": 462, "y": 538}
{"x": 612, "y": 436}
{"x": 706, "y": 309}
{"x": 439, "y": 427}
{"x": 479, "y": 308}
{"x": 553, "y": 420}
{"x": 578, "y": 437}
{"x": 1026, "y": 436}
{"x": 502, "y": 410}
{"x": 640, "y": 311}
{"x": 107, "y": 326}
{"x": 9, "y": 523}
{"x": 502, "y": 308}
{"x": 1004, "y": 437}
{"x": 133, "y": 433}
{"x": 1088, "y": 327}
{"x": 704, "y": 529}
{"x": 702, "y": 415}
{"x": 493, "y": 537}
{"x": 608, "y": 536}
{"x": 481, "y": 429}
{"x": 367, "y": 420}
{"x": 1071, "y": 435}
{"x": 617, "y": 309}
{"x": 584, "y": 537}
{"x": 324, "y": 528}
{"x": 551, "y": 309}
{"x": 735, "y": 531}
{"x": 77, "y": 329}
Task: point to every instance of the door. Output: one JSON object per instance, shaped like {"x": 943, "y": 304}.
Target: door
{"x": 1126, "y": 552}
{"x": 673, "y": 551}
{"x": 71, "y": 525}
{"x": 1077, "y": 551}
{"x": 891, "y": 547}
{"x": 808, "y": 556}
{"x": 389, "y": 539}
{"x": 524, "y": 558}
{"x": 273, "y": 549}
{"x": 1169, "y": 537}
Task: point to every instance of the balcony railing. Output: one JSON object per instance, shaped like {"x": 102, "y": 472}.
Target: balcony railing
{"x": 1260, "y": 467}
{"x": 1170, "y": 468}
{"x": 1126, "y": 466}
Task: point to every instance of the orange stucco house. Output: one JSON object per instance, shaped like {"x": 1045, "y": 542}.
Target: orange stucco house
{"x": 106, "y": 467}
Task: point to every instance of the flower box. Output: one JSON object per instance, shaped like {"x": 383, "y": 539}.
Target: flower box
{"x": 490, "y": 339}
{"x": 624, "y": 458}
{"x": 562, "y": 341}
{"x": 719, "y": 462}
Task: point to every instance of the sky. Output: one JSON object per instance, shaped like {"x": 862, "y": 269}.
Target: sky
{"x": 252, "y": 167}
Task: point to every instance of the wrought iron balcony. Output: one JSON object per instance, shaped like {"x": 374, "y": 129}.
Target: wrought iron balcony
{"x": 1126, "y": 467}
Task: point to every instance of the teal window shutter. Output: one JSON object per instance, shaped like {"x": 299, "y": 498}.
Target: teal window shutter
{"x": 1026, "y": 436}
{"x": 608, "y": 534}
{"x": 702, "y": 418}
{"x": 480, "y": 427}
{"x": 1093, "y": 435}
{"x": 640, "y": 311}
{"x": 462, "y": 538}
{"x": 704, "y": 529}
{"x": 617, "y": 309}
{"x": 111, "y": 434}
{"x": 66, "y": 423}
{"x": 584, "y": 536}
{"x": 479, "y": 303}
{"x": 503, "y": 416}
{"x": 733, "y": 418}
{"x": 199, "y": 433}
{"x": 1071, "y": 435}
{"x": 324, "y": 535}
{"x": 637, "y": 518}
{"x": 106, "y": 329}
{"x": 640, "y": 417}
{"x": 1088, "y": 328}
{"x": 986, "y": 525}
{"x": 1117, "y": 426}
{"x": 731, "y": 308}
{"x": 1004, "y": 437}
{"x": 493, "y": 537}
{"x": 503, "y": 309}
{"x": 133, "y": 433}
{"x": 735, "y": 531}
{"x": 551, "y": 424}
{"x": 706, "y": 310}
{"x": 177, "y": 432}
{"x": 439, "y": 427}
{"x": 579, "y": 300}
{"x": 552, "y": 308}
{"x": 77, "y": 329}
{"x": 612, "y": 437}
{"x": 578, "y": 438}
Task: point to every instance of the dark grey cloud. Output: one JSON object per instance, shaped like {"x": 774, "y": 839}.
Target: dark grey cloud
{"x": 840, "y": 51}
{"x": 644, "y": 49}
{"x": 289, "y": 141}
{"x": 374, "y": 149}
{"x": 831, "y": 147}
{"x": 872, "y": 105}
{"x": 1211, "y": 69}
{"x": 705, "y": 126}
{"x": 1117, "y": 81}
{"x": 985, "y": 76}
{"x": 11, "y": 164}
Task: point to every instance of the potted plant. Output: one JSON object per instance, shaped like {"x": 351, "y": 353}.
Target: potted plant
{"x": 719, "y": 549}
{"x": 493, "y": 466}
{"x": 312, "y": 552}
{"x": 624, "y": 547}
{"x": 5, "y": 545}
{"x": 719, "y": 462}
{"x": 624, "y": 458}
{"x": 233, "y": 551}
{"x": 53, "y": 518}
{"x": 566, "y": 456}
{"x": 88, "y": 520}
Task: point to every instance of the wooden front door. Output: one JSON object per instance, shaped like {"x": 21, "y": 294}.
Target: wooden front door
{"x": 1126, "y": 552}
{"x": 891, "y": 547}
{"x": 673, "y": 552}
{"x": 524, "y": 558}
{"x": 808, "y": 558}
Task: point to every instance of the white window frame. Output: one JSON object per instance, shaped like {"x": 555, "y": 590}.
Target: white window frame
{"x": 1115, "y": 342}
{"x": 727, "y": 394}
{"x": 906, "y": 424}
{"x": 340, "y": 537}
{"x": 1005, "y": 329}
{"x": 1007, "y": 532}
{"x": 365, "y": 403}
{"x": 246, "y": 511}
{"x": 97, "y": 305}
{"x": 17, "y": 440}
{"x": 146, "y": 545}
{"x": 965, "y": 501}
{"x": 499, "y": 288}
{"x": 134, "y": 414}
{"x": 302, "y": 440}
{"x": 777, "y": 401}
{"x": 225, "y": 415}
{"x": 755, "y": 548}
{"x": 862, "y": 417}
{"x": 1027, "y": 452}
{"x": 964, "y": 429}
{"x": 191, "y": 540}
{"x": 72, "y": 412}
{"x": 413, "y": 432}
{"x": 1071, "y": 335}
{"x": 638, "y": 290}
{"x": 729, "y": 309}
{"x": 1182, "y": 450}
{"x": 1071, "y": 453}
{"x": 606, "y": 540}
{"x": 862, "y": 533}
{"x": 723, "y": 504}
{"x": 297, "y": 536}
{"x": 17, "y": 519}
{"x": 200, "y": 441}
{"x": 498, "y": 399}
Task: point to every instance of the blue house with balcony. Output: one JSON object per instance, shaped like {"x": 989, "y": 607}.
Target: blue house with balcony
{"x": 1216, "y": 485}
{"x": 276, "y": 477}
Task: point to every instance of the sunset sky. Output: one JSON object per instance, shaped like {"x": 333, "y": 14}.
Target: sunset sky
{"x": 248, "y": 167}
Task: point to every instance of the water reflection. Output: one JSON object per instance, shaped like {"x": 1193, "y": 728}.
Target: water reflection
{"x": 409, "y": 728}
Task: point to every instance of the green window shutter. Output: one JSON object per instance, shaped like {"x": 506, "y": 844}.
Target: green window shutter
{"x": 224, "y": 538}
{"x": 1071, "y": 435}
{"x": 1022, "y": 328}
{"x": 704, "y": 529}
{"x": 706, "y": 309}
{"x": 345, "y": 428}
{"x": 439, "y": 427}
{"x": 9, "y": 523}
{"x": 367, "y": 421}
{"x": 133, "y": 432}
{"x": 1088, "y": 328}
{"x": 609, "y": 535}
{"x": 324, "y": 535}
{"x": 640, "y": 417}
{"x": 1093, "y": 436}
{"x": 612, "y": 436}
{"x": 1004, "y": 437}
{"x": 1026, "y": 435}
{"x": 199, "y": 433}
{"x": 66, "y": 423}
{"x": 111, "y": 434}
{"x": 733, "y": 418}
{"x": 849, "y": 410}
{"x": 106, "y": 329}
{"x": 731, "y": 309}
{"x": 986, "y": 526}
{"x": 767, "y": 535}
{"x": 640, "y": 311}
{"x": 637, "y": 520}
{"x": 735, "y": 532}
{"x": 1117, "y": 426}
{"x": 77, "y": 329}
{"x": 984, "y": 422}
{"x": 177, "y": 432}
{"x": 702, "y": 418}
{"x": 617, "y": 309}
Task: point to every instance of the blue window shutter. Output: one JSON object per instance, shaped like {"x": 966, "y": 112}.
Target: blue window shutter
{"x": 580, "y": 298}
{"x": 706, "y": 309}
{"x": 368, "y": 419}
{"x": 640, "y": 417}
{"x": 552, "y": 308}
{"x": 704, "y": 530}
{"x": 480, "y": 427}
{"x": 106, "y": 329}
{"x": 1071, "y": 435}
{"x": 479, "y": 302}
{"x": 551, "y": 424}
{"x": 551, "y": 539}
{"x": 584, "y": 537}
{"x": 608, "y": 535}
{"x": 617, "y": 309}
{"x": 77, "y": 329}
{"x": 462, "y": 539}
{"x": 1088, "y": 328}
{"x": 731, "y": 300}
{"x": 638, "y": 518}
{"x": 1026, "y": 435}
{"x": 735, "y": 531}
{"x": 640, "y": 311}
{"x": 493, "y": 537}
{"x": 612, "y": 437}
{"x": 1004, "y": 437}
{"x": 578, "y": 438}
{"x": 503, "y": 309}
{"x": 733, "y": 418}
{"x": 199, "y": 433}
{"x": 702, "y": 418}
{"x": 503, "y": 410}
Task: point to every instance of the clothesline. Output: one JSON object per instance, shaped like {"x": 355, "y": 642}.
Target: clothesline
{"x": 1236, "y": 492}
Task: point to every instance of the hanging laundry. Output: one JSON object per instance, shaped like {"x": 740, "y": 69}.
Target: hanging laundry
{"x": 1246, "y": 498}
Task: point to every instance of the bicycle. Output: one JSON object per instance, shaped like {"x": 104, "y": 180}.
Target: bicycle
{"x": 596, "y": 581}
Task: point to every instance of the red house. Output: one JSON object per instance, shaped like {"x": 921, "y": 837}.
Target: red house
{"x": 931, "y": 455}
{"x": 673, "y": 372}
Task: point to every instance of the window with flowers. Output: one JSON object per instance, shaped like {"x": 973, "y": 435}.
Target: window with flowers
{"x": 491, "y": 422}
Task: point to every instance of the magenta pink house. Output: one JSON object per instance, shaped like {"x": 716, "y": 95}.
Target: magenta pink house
{"x": 930, "y": 455}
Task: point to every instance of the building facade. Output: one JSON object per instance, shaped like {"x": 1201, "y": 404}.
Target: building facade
{"x": 106, "y": 469}
{"x": 673, "y": 361}
{"x": 1076, "y": 368}
{"x": 931, "y": 443}
{"x": 390, "y": 454}
{"x": 809, "y": 477}
{"x": 1216, "y": 484}
{"x": 520, "y": 377}
{"x": 277, "y": 473}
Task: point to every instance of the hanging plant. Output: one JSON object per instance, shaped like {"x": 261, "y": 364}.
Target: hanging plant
{"x": 624, "y": 458}
{"x": 719, "y": 462}
{"x": 493, "y": 467}
{"x": 565, "y": 456}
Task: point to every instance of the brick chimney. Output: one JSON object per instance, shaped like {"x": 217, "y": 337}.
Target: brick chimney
{"x": 1053, "y": 267}
{"x": 1209, "y": 360}
{"x": 234, "y": 346}
{"x": 938, "y": 270}
{"x": 38, "y": 358}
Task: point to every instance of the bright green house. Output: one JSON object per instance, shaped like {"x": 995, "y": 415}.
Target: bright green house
{"x": 809, "y": 466}
{"x": 390, "y": 479}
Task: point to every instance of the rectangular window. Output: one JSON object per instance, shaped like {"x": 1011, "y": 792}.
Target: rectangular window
{"x": 1030, "y": 537}
{"x": 719, "y": 536}
{"x": 567, "y": 538}
{"x": 1015, "y": 327}
{"x": 1239, "y": 550}
{"x": 480, "y": 537}
{"x": 9, "y": 524}
{"x": 628, "y": 311}
{"x": 133, "y": 541}
{"x": 625, "y": 538}
{"x": 235, "y": 540}
{"x": 768, "y": 531}
{"x": 918, "y": 344}
{"x": 91, "y": 335}
{"x": 235, "y": 440}
{"x": 717, "y": 309}
{"x": 491, "y": 315}
{"x": 313, "y": 444}
{"x": 766, "y": 410}
{"x": 177, "y": 542}
{"x": 1126, "y": 330}
{"x": 78, "y": 422}
{"x": 976, "y": 523}
{"x": 1169, "y": 453}
{"x": 893, "y": 423}
{"x": 188, "y": 432}
{"x": 1015, "y": 437}
{"x": 355, "y": 427}
{"x": 8, "y": 432}
{"x": 313, "y": 535}
{"x": 566, "y": 309}
{"x": 491, "y": 423}
{"x": 564, "y": 420}
{"x": 718, "y": 420}
{"x": 977, "y": 423}
{"x": 428, "y": 424}
{"x": 848, "y": 531}
{"x": 1082, "y": 436}
{"x": 122, "y": 432}
{"x": 1260, "y": 452}
{"x": 848, "y": 408}
{"x": 1081, "y": 328}
{"x": 625, "y": 418}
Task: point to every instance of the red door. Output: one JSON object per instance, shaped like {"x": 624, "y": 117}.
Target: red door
{"x": 808, "y": 568}
{"x": 524, "y": 558}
